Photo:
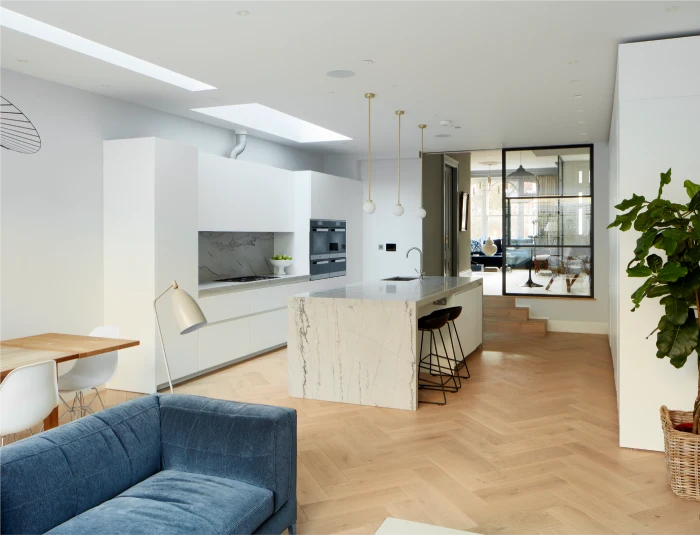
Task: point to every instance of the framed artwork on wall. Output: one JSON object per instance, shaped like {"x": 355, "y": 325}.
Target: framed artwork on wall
{"x": 463, "y": 211}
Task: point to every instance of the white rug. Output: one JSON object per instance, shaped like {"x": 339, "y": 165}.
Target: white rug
{"x": 394, "y": 526}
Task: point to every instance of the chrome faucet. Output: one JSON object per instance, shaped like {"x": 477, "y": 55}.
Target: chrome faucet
{"x": 421, "y": 272}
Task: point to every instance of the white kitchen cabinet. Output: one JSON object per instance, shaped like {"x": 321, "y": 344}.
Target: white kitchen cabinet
{"x": 268, "y": 330}
{"x": 328, "y": 194}
{"x": 238, "y": 196}
{"x": 353, "y": 209}
{"x": 150, "y": 239}
{"x": 223, "y": 342}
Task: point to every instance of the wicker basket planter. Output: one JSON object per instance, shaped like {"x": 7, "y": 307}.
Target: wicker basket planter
{"x": 682, "y": 455}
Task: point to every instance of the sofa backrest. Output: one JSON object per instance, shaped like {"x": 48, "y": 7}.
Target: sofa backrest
{"x": 49, "y": 478}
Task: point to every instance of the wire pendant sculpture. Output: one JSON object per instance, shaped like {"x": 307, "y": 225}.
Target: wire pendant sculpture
{"x": 17, "y": 132}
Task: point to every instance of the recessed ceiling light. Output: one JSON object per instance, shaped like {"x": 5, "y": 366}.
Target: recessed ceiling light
{"x": 331, "y": 92}
{"x": 340, "y": 73}
{"x": 417, "y": 101}
{"x": 272, "y": 122}
{"x": 457, "y": 127}
{"x": 442, "y": 135}
{"x": 671, "y": 9}
{"x": 574, "y": 81}
{"x": 584, "y": 133}
{"x": 367, "y": 61}
{"x": 105, "y": 85}
{"x": 582, "y": 122}
{"x": 46, "y": 32}
{"x": 23, "y": 60}
{"x": 243, "y": 13}
{"x": 578, "y": 96}
{"x": 573, "y": 62}
{"x": 580, "y": 111}
{"x": 395, "y": 85}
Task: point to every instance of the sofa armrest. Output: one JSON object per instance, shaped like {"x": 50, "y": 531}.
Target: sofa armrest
{"x": 255, "y": 444}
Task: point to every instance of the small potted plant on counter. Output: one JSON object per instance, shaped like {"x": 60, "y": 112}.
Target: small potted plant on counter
{"x": 280, "y": 262}
{"x": 673, "y": 228}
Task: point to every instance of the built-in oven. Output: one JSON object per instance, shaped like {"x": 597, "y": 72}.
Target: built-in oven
{"x": 336, "y": 239}
{"x": 320, "y": 269}
{"x": 327, "y": 250}
{"x": 318, "y": 240}
{"x": 337, "y": 267}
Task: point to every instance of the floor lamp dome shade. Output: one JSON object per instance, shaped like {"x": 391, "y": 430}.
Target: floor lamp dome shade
{"x": 188, "y": 315}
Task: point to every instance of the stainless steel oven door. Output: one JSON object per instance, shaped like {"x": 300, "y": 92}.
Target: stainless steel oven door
{"x": 336, "y": 243}
{"x": 318, "y": 244}
{"x": 337, "y": 268}
{"x": 320, "y": 269}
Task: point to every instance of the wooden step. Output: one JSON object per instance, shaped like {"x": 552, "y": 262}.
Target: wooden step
{"x": 498, "y": 301}
{"x": 504, "y": 325}
{"x": 515, "y": 313}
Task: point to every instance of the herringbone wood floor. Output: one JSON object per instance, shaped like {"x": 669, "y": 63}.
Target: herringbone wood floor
{"x": 529, "y": 445}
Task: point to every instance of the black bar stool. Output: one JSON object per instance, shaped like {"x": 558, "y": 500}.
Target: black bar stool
{"x": 434, "y": 366}
{"x": 454, "y": 313}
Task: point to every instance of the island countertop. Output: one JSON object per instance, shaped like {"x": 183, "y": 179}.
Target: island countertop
{"x": 416, "y": 291}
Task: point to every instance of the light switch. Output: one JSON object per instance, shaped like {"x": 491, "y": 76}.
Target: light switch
{"x": 381, "y": 246}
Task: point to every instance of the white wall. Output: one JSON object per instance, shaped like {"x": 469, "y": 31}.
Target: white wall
{"x": 383, "y": 226}
{"x": 344, "y": 165}
{"x": 52, "y": 267}
{"x": 657, "y": 127}
{"x": 585, "y": 315}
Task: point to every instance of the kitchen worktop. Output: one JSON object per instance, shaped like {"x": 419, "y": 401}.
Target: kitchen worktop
{"x": 415, "y": 291}
{"x": 208, "y": 289}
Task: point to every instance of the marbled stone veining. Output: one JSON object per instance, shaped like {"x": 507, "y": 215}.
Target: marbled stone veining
{"x": 224, "y": 255}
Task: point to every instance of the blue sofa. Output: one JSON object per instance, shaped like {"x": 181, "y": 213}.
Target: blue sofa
{"x": 167, "y": 464}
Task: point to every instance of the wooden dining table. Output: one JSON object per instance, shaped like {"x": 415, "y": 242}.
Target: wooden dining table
{"x": 57, "y": 347}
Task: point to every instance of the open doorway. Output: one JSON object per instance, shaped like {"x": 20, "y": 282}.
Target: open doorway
{"x": 486, "y": 215}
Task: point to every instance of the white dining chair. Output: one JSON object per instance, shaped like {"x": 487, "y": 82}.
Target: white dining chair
{"x": 89, "y": 373}
{"x": 27, "y": 396}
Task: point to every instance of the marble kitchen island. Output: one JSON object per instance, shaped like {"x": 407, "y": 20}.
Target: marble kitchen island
{"x": 359, "y": 343}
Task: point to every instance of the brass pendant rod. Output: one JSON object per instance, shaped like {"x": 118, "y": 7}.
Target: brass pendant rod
{"x": 369, "y": 97}
{"x": 399, "y": 113}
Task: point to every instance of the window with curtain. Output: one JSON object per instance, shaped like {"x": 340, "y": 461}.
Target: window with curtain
{"x": 547, "y": 220}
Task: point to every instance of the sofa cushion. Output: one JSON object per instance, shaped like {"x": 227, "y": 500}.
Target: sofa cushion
{"x": 56, "y": 475}
{"x": 173, "y": 502}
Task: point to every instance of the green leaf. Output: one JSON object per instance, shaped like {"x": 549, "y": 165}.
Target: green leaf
{"x": 669, "y": 245}
{"x": 671, "y": 272}
{"x": 691, "y": 188}
{"x": 644, "y": 243}
{"x": 694, "y": 203}
{"x": 677, "y": 341}
{"x": 636, "y": 200}
{"x": 640, "y": 270}
{"x": 687, "y": 285}
{"x": 676, "y": 309}
{"x": 624, "y": 221}
{"x": 658, "y": 290}
{"x": 676, "y": 234}
{"x": 641, "y": 292}
{"x": 654, "y": 262}
{"x": 665, "y": 179}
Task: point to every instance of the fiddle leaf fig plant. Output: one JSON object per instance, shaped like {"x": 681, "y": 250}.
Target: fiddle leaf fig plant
{"x": 673, "y": 231}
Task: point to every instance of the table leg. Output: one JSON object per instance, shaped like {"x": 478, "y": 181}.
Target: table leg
{"x": 51, "y": 420}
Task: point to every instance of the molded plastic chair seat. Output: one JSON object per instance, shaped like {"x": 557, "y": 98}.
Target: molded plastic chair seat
{"x": 27, "y": 396}
{"x": 89, "y": 373}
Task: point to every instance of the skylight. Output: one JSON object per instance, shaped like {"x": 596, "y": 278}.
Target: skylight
{"x": 273, "y": 122}
{"x": 46, "y": 32}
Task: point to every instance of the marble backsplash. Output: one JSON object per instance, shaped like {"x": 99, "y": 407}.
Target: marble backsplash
{"x": 234, "y": 254}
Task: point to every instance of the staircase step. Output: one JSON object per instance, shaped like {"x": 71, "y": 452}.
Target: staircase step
{"x": 513, "y": 326}
{"x": 498, "y": 301}
{"x": 515, "y": 313}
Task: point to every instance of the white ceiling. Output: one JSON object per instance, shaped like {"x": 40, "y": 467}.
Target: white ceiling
{"x": 500, "y": 70}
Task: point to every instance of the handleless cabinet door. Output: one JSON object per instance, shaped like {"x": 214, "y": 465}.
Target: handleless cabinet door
{"x": 223, "y": 342}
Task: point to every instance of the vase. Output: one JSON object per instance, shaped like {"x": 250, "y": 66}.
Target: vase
{"x": 489, "y": 248}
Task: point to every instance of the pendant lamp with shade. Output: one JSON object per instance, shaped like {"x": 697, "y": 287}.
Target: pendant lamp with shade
{"x": 398, "y": 209}
{"x": 421, "y": 213}
{"x": 520, "y": 177}
{"x": 369, "y": 207}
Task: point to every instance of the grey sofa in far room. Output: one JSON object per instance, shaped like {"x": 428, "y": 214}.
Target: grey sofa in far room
{"x": 167, "y": 464}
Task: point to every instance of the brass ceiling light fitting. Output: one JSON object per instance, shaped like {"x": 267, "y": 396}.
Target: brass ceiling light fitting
{"x": 398, "y": 209}
{"x": 369, "y": 207}
{"x": 421, "y": 213}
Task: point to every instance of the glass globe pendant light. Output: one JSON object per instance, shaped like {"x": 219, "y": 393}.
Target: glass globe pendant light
{"x": 369, "y": 207}
{"x": 398, "y": 209}
{"x": 421, "y": 213}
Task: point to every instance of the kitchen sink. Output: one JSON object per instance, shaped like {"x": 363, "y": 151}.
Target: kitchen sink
{"x": 401, "y": 279}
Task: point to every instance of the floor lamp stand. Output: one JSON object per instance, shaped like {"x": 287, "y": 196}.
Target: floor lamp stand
{"x": 160, "y": 334}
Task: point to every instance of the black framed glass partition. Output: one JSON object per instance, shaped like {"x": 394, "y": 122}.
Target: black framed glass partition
{"x": 548, "y": 221}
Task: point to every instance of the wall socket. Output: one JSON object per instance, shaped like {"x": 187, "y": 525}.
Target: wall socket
{"x": 381, "y": 247}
